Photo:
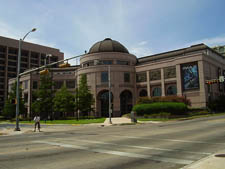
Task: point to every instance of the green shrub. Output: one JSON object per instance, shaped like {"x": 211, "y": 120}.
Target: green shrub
{"x": 155, "y": 108}
{"x": 146, "y": 116}
{"x": 161, "y": 115}
{"x": 198, "y": 113}
{"x": 178, "y": 99}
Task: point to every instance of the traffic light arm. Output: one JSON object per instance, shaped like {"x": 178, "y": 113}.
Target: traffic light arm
{"x": 50, "y": 64}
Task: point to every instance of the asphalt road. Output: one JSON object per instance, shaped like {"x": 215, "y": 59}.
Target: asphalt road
{"x": 169, "y": 145}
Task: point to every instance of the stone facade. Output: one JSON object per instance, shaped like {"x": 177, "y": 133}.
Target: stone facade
{"x": 181, "y": 72}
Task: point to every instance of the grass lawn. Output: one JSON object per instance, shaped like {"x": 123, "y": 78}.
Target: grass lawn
{"x": 182, "y": 118}
{"x": 82, "y": 121}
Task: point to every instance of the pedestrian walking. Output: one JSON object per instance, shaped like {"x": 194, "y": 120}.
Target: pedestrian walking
{"x": 37, "y": 123}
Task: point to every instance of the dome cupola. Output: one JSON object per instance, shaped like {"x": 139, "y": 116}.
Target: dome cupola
{"x": 108, "y": 45}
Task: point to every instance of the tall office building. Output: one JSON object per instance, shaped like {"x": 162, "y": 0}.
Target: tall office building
{"x": 220, "y": 49}
{"x": 32, "y": 55}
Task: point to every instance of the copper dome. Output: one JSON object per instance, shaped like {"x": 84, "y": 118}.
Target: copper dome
{"x": 108, "y": 45}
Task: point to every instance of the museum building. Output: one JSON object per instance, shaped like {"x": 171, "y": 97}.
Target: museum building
{"x": 181, "y": 72}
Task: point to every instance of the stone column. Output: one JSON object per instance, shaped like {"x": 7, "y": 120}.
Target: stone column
{"x": 162, "y": 82}
{"x": 148, "y": 83}
{"x": 179, "y": 82}
{"x": 202, "y": 85}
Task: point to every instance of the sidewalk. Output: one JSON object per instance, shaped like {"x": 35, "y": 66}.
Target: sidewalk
{"x": 28, "y": 128}
{"x": 210, "y": 162}
{"x": 117, "y": 120}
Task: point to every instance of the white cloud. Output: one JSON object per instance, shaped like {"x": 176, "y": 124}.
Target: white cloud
{"x": 141, "y": 49}
{"x": 142, "y": 43}
{"x": 218, "y": 40}
{"x": 10, "y": 32}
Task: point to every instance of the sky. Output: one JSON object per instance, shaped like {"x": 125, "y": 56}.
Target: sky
{"x": 144, "y": 27}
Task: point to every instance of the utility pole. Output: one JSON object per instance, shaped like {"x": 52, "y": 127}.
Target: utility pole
{"x": 110, "y": 110}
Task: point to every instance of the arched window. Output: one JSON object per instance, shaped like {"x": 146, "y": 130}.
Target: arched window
{"x": 156, "y": 91}
{"x": 171, "y": 90}
{"x": 143, "y": 93}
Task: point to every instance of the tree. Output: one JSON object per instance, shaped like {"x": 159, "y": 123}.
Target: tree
{"x": 63, "y": 101}
{"x": 9, "y": 110}
{"x": 85, "y": 99}
{"x": 42, "y": 99}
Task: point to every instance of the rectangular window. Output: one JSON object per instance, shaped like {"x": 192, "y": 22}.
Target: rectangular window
{"x": 12, "y": 63}
{"x": 155, "y": 74}
{"x": 2, "y": 80}
{"x": 70, "y": 84}
{"x": 24, "y": 53}
{"x": 58, "y": 84}
{"x": 107, "y": 62}
{"x": 26, "y": 84}
{"x": 103, "y": 62}
{"x": 104, "y": 77}
{"x": 13, "y": 51}
{"x": 2, "y": 56}
{"x": 23, "y": 59}
{"x": 12, "y": 69}
{"x": 35, "y": 84}
{"x": 2, "y": 73}
{"x": 170, "y": 72}
{"x": 11, "y": 75}
{"x": 54, "y": 59}
{"x": 25, "y": 97}
{"x": 141, "y": 77}
{"x": 2, "y": 62}
{"x": 126, "y": 77}
{"x": 2, "y": 49}
{"x": 122, "y": 62}
{"x": 34, "y": 55}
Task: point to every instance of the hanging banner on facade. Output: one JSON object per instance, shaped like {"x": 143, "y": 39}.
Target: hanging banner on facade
{"x": 190, "y": 76}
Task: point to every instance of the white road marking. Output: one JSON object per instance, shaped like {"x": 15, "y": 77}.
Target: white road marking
{"x": 119, "y": 153}
{"x": 184, "y": 141}
{"x": 142, "y": 147}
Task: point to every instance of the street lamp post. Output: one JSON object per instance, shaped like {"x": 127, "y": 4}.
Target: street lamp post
{"x": 18, "y": 78}
{"x": 110, "y": 109}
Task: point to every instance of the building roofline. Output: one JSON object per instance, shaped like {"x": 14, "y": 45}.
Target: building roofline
{"x": 16, "y": 40}
{"x": 192, "y": 48}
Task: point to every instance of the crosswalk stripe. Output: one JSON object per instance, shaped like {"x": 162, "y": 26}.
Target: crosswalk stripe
{"x": 119, "y": 153}
{"x": 174, "y": 140}
{"x": 142, "y": 147}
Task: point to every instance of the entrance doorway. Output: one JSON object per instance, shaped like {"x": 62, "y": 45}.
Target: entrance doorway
{"x": 103, "y": 97}
{"x": 126, "y": 102}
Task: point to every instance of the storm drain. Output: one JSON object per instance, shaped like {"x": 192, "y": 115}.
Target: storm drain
{"x": 220, "y": 155}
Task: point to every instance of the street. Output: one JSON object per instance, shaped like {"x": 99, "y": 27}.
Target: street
{"x": 166, "y": 145}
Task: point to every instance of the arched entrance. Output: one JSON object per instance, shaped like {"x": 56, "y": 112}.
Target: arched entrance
{"x": 103, "y": 97}
{"x": 126, "y": 102}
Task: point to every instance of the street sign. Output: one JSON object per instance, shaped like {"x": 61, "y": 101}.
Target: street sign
{"x": 221, "y": 78}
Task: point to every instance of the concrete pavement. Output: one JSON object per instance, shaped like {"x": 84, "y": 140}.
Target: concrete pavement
{"x": 206, "y": 163}
{"x": 210, "y": 162}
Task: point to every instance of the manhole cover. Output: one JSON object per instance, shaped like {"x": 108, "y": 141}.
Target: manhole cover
{"x": 220, "y": 155}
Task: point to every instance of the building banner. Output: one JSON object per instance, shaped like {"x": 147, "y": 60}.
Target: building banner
{"x": 190, "y": 76}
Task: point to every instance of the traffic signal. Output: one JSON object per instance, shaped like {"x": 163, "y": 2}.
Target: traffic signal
{"x": 44, "y": 72}
{"x": 13, "y": 101}
{"x": 63, "y": 65}
{"x": 209, "y": 82}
